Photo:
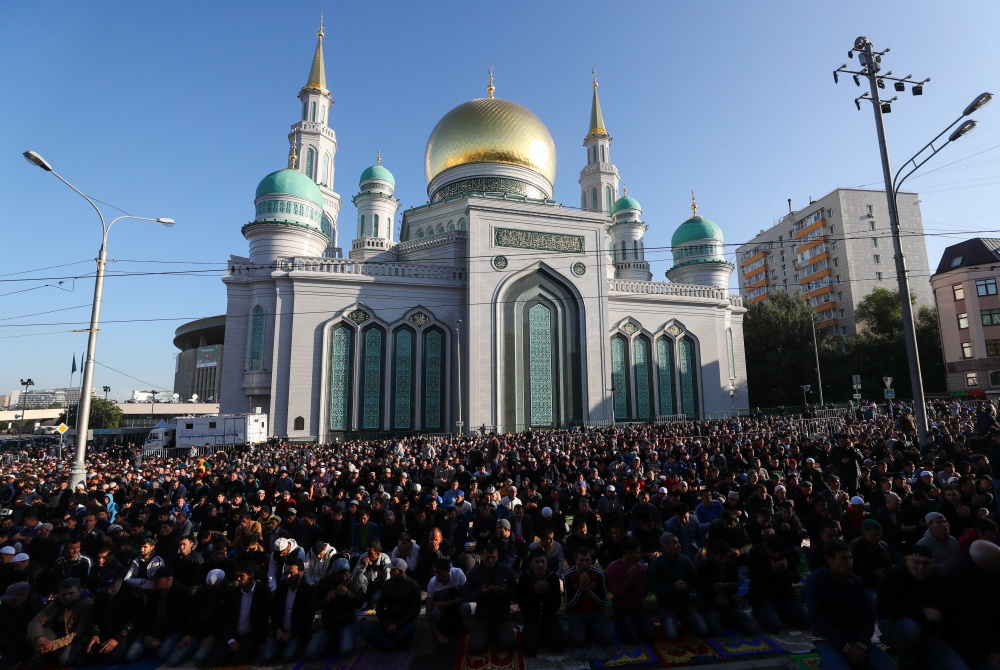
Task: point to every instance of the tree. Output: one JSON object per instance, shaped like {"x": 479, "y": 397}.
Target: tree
{"x": 879, "y": 350}
{"x": 778, "y": 338}
{"x": 103, "y": 414}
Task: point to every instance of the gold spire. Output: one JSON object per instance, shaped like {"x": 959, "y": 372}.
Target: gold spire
{"x": 491, "y": 88}
{"x": 694, "y": 205}
{"x": 624, "y": 190}
{"x": 378, "y": 157}
{"x": 317, "y": 73}
{"x": 596, "y": 118}
{"x": 292, "y": 158}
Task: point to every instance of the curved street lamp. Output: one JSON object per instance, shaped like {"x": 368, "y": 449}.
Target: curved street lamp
{"x": 78, "y": 472}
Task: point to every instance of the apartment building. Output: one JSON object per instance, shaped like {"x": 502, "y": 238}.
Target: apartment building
{"x": 965, "y": 292}
{"x": 835, "y": 252}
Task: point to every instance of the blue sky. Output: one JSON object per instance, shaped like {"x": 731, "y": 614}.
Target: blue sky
{"x": 178, "y": 109}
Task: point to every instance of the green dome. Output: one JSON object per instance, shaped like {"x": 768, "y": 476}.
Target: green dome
{"x": 377, "y": 172}
{"x": 290, "y": 182}
{"x": 626, "y": 202}
{"x": 696, "y": 228}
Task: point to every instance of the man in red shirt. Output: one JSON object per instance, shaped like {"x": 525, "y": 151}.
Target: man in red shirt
{"x": 627, "y": 582}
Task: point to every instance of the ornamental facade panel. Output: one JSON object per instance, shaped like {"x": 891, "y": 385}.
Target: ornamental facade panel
{"x": 665, "y": 374}
{"x": 257, "y": 325}
{"x": 433, "y": 377}
{"x": 642, "y": 381}
{"x": 619, "y": 377}
{"x": 540, "y": 365}
{"x": 538, "y": 241}
{"x": 488, "y": 185}
{"x": 371, "y": 415}
{"x": 340, "y": 377}
{"x": 402, "y": 370}
{"x": 688, "y": 374}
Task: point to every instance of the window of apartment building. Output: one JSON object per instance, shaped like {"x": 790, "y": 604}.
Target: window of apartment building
{"x": 875, "y": 242}
{"x": 836, "y": 262}
{"x": 990, "y": 317}
{"x": 878, "y": 276}
{"x": 831, "y": 229}
{"x": 966, "y": 349}
{"x": 840, "y": 296}
{"x": 782, "y": 255}
{"x": 871, "y": 225}
{"x": 843, "y": 314}
{"x": 795, "y": 279}
{"x": 993, "y": 347}
{"x": 959, "y": 291}
{"x": 963, "y": 321}
{"x": 877, "y": 259}
{"x": 833, "y": 245}
{"x": 986, "y": 287}
{"x": 972, "y": 379}
{"x": 994, "y": 377}
{"x": 836, "y": 279}
{"x": 843, "y": 330}
{"x": 871, "y": 210}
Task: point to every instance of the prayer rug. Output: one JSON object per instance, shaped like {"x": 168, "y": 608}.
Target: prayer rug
{"x": 554, "y": 661}
{"x": 627, "y": 654}
{"x": 372, "y": 658}
{"x": 807, "y": 661}
{"x": 493, "y": 659}
{"x": 731, "y": 647}
{"x": 685, "y": 651}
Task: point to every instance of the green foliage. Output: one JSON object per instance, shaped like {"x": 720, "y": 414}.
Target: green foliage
{"x": 103, "y": 414}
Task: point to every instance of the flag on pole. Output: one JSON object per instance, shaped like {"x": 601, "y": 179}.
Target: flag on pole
{"x": 73, "y": 371}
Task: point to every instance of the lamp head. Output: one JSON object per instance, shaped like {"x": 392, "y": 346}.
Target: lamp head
{"x": 966, "y": 127}
{"x": 166, "y": 222}
{"x": 981, "y": 101}
{"x": 899, "y": 86}
{"x": 35, "y": 159}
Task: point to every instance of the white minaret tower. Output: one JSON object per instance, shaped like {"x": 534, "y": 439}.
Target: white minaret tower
{"x": 628, "y": 254}
{"x": 376, "y": 214}
{"x": 315, "y": 143}
{"x": 599, "y": 178}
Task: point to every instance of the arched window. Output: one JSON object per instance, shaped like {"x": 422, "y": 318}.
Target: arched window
{"x": 322, "y": 114}
{"x": 402, "y": 379}
{"x": 635, "y": 249}
{"x": 430, "y": 231}
{"x": 326, "y": 170}
{"x": 374, "y": 225}
{"x": 620, "y": 377}
{"x": 665, "y": 375}
{"x": 643, "y": 382}
{"x": 624, "y": 250}
{"x": 371, "y": 379}
{"x": 440, "y": 230}
{"x": 299, "y": 424}
{"x": 305, "y": 111}
{"x": 311, "y": 163}
{"x": 607, "y": 199}
{"x": 603, "y": 159}
{"x": 361, "y": 229}
{"x": 451, "y": 227}
{"x": 340, "y": 378}
{"x": 312, "y": 112}
{"x": 433, "y": 379}
{"x": 583, "y": 200}
{"x": 594, "y": 152}
{"x": 257, "y": 323}
{"x": 689, "y": 378}
{"x": 461, "y": 224}
{"x": 614, "y": 252}
{"x": 420, "y": 234}
{"x": 594, "y": 204}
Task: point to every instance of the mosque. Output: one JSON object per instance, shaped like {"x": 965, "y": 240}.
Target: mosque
{"x": 497, "y": 306}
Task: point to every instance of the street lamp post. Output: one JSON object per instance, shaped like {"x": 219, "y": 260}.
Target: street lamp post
{"x": 24, "y": 414}
{"x": 458, "y": 347}
{"x": 871, "y": 62}
{"x": 78, "y": 471}
{"x": 819, "y": 375}
{"x": 806, "y": 388}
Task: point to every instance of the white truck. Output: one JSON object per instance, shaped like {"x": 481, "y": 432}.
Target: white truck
{"x": 220, "y": 430}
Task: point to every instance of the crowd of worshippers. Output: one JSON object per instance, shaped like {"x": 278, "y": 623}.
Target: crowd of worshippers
{"x": 577, "y": 536}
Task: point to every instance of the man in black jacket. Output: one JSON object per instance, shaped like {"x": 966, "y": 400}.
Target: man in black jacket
{"x": 18, "y": 606}
{"x": 248, "y": 607}
{"x": 539, "y": 599}
{"x": 396, "y": 612}
{"x": 338, "y": 597}
{"x": 291, "y": 616}
{"x": 491, "y": 585}
{"x": 118, "y": 607}
{"x": 772, "y": 574}
{"x": 166, "y": 618}
{"x": 914, "y": 604}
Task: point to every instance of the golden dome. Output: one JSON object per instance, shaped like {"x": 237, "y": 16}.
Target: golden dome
{"x": 491, "y": 130}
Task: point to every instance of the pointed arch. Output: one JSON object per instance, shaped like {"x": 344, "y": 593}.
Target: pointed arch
{"x": 258, "y": 323}
{"x": 372, "y": 377}
{"x": 594, "y": 204}
{"x": 403, "y": 377}
{"x": 374, "y": 225}
{"x": 608, "y": 200}
{"x": 732, "y": 354}
{"x": 433, "y": 373}
{"x": 665, "y": 375}
{"x": 341, "y": 377}
{"x": 312, "y": 112}
{"x": 311, "y": 161}
{"x": 326, "y": 170}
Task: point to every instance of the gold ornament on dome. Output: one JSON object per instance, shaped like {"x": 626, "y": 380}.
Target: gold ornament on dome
{"x": 491, "y": 130}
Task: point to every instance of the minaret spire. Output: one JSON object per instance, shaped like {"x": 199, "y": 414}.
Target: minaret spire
{"x": 317, "y": 73}
{"x": 292, "y": 158}
{"x": 596, "y": 118}
{"x": 491, "y": 88}
{"x": 694, "y": 205}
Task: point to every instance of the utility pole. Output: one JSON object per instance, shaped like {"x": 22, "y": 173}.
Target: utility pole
{"x": 871, "y": 62}
{"x": 819, "y": 375}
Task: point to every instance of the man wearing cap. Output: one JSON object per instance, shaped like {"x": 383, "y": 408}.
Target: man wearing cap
{"x": 118, "y": 609}
{"x": 513, "y": 550}
{"x": 338, "y": 597}
{"x": 292, "y": 611}
{"x": 208, "y": 610}
{"x": 245, "y": 624}
{"x": 18, "y": 606}
{"x": 915, "y": 607}
{"x": 944, "y": 547}
{"x": 317, "y": 562}
{"x": 143, "y": 566}
{"x": 396, "y": 612}
{"x": 872, "y": 558}
{"x": 284, "y": 548}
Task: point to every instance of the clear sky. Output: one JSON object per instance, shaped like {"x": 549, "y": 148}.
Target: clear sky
{"x": 178, "y": 109}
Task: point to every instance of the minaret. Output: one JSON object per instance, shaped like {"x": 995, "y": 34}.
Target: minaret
{"x": 628, "y": 252}
{"x": 376, "y": 214}
{"x": 699, "y": 251}
{"x": 315, "y": 142}
{"x": 599, "y": 178}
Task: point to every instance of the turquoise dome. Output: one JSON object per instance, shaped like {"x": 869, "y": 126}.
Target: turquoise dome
{"x": 696, "y": 228}
{"x": 377, "y": 172}
{"x": 290, "y": 182}
{"x": 626, "y": 202}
